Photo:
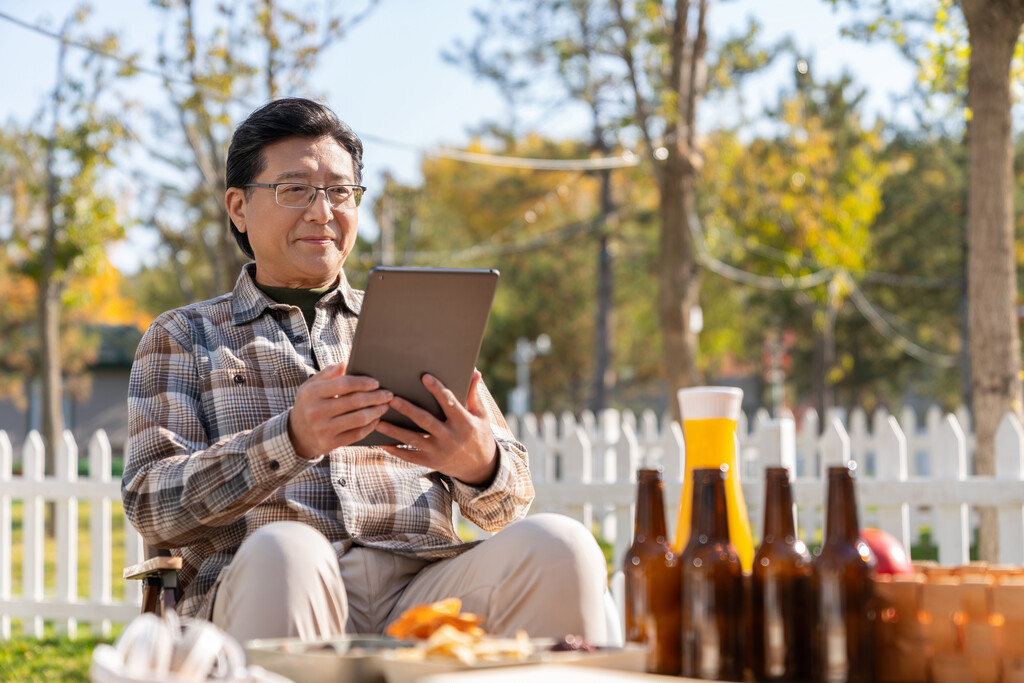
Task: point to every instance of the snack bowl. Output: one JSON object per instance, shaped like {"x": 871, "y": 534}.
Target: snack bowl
{"x": 339, "y": 660}
{"x": 397, "y": 667}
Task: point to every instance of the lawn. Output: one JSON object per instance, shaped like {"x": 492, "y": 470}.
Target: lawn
{"x": 57, "y": 657}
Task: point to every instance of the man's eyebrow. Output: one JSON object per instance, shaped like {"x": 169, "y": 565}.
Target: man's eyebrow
{"x": 304, "y": 175}
{"x": 292, "y": 174}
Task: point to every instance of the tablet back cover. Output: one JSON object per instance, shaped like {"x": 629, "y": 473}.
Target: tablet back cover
{"x": 421, "y": 320}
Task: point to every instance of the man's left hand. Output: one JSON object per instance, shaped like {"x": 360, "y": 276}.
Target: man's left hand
{"x": 461, "y": 446}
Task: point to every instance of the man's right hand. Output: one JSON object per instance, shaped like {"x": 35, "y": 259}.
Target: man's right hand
{"x": 333, "y": 409}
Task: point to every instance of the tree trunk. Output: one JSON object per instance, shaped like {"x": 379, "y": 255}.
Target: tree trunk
{"x": 678, "y": 278}
{"x": 994, "y": 27}
{"x": 49, "y": 301}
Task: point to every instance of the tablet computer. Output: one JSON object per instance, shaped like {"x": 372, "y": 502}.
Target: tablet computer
{"x": 421, "y": 320}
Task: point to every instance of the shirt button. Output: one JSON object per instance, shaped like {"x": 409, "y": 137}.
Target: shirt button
{"x": 275, "y": 465}
{"x": 343, "y": 481}
{"x": 239, "y": 379}
{"x": 300, "y": 339}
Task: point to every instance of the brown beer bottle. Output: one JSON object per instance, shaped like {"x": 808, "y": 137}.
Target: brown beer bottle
{"x": 652, "y": 579}
{"x": 780, "y": 590}
{"x": 713, "y": 623}
{"x": 844, "y": 634}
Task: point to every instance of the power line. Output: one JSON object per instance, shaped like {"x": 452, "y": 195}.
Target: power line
{"x": 887, "y": 330}
{"x": 865, "y": 275}
{"x": 780, "y": 283}
{"x": 875, "y": 317}
{"x": 625, "y": 160}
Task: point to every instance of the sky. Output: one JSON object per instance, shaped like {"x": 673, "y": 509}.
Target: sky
{"x": 388, "y": 80}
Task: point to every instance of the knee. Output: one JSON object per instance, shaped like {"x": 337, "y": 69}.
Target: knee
{"x": 285, "y": 544}
{"x": 560, "y": 543}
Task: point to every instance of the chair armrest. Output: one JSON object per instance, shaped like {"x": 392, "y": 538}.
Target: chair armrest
{"x": 154, "y": 566}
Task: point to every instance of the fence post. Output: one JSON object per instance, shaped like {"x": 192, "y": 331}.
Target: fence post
{"x": 807, "y": 446}
{"x": 1010, "y": 467}
{"x": 577, "y": 457}
{"x": 776, "y": 448}
{"x": 33, "y": 457}
{"x": 100, "y": 532}
{"x": 552, "y": 456}
{"x": 6, "y": 520}
{"x": 528, "y": 435}
{"x": 66, "y": 523}
{"x": 605, "y": 434}
{"x": 860, "y": 441}
{"x": 628, "y": 457}
{"x": 673, "y": 463}
{"x": 950, "y": 462}
{"x": 834, "y": 448}
{"x": 891, "y": 463}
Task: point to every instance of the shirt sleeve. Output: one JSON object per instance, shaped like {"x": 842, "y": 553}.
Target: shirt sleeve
{"x": 177, "y": 485}
{"x": 508, "y": 496}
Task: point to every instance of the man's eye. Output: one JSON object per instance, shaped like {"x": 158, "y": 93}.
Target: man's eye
{"x": 293, "y": 190}
{"x": 339, "y": 192}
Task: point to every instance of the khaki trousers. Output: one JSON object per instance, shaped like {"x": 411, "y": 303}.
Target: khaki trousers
{"x": 544, "y": 574}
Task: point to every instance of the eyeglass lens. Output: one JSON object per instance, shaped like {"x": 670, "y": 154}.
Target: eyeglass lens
{"x": 299, "y": 196}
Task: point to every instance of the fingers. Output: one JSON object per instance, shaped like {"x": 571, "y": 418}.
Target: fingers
{"x": 445, "y": 397}
{"x": 474, "y": 401}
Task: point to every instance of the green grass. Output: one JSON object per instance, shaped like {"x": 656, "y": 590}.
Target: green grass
{"x": 84, "y": 552}
{"x": 54, "y": 658}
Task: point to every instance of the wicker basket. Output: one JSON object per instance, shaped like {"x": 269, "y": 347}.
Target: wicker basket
{"x": 952, "y": 625}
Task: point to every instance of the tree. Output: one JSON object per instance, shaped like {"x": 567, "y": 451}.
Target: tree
{"x": 62, "y": 220}
{"x": 796, "y": 209}
{"x": 994, "y": 30}
{"x": 644, "y": 69}
{"x": 995, "y": 27}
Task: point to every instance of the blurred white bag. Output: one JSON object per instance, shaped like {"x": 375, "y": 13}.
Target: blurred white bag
{"x": 154, "y": 650}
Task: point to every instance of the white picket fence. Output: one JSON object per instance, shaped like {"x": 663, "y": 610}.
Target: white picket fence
{"x": 910, "y": 474}
{"x": 58, "y": 599}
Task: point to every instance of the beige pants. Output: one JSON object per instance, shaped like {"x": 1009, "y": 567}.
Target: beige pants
{"x": 544, "y": 574}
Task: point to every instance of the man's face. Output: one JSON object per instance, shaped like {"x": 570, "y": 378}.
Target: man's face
{"x": 298, "y": 248}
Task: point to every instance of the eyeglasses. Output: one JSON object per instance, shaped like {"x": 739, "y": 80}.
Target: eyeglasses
{"x": 300, "y": 195}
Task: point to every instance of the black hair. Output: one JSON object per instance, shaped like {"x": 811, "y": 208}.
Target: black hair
{"x": 277, "y": 120}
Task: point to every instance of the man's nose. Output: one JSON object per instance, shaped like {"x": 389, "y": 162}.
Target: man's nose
{"x": 320, "y": 209}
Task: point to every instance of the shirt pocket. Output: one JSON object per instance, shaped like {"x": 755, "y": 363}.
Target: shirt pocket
{"x": 241, "y": 399}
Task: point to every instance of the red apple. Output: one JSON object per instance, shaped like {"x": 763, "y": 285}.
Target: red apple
{"x": 890, "y": 555}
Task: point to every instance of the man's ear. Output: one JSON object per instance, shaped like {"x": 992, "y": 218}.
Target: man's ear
{"x": 234, "y": 201}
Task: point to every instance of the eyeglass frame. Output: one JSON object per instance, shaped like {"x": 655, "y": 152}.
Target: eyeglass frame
{"x": 274, "y": 186}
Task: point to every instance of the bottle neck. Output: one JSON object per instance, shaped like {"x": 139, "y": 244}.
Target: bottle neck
{"x": 650, "y": 506}
{"x": 709, "y": 518}
{"x": 841, "y": 523}
{"x": 779, "y": 522}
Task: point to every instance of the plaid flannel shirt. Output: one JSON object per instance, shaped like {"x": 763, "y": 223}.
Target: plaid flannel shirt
{"x": 209, "y": 460}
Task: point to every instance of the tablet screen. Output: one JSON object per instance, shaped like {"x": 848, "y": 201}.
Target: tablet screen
{"x": 421, "y": 320}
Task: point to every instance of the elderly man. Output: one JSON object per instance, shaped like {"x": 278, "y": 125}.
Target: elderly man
{"x": 242, "y": 421}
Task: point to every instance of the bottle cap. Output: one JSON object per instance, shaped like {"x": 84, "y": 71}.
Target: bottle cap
{"x": 705, "y": 403}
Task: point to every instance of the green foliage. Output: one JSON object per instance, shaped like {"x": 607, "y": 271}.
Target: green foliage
{"x": 798, "y": 207}
{"x": 57, "y": 217}
{"x": 934, "y": 37}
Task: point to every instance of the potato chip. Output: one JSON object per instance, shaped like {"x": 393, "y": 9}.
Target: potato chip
{"x": 421, "y": 621}
{"x": 469, "y": 649}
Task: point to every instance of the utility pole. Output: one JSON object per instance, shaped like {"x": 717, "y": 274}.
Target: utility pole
{"x": 386, "y": 224}
{"x": 604, "y": 374}
{"x": 526, "y": 351}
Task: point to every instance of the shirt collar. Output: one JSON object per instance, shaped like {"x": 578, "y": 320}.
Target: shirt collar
{"x": 248, "y": 302}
